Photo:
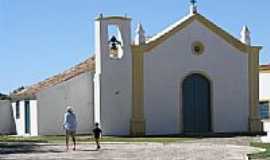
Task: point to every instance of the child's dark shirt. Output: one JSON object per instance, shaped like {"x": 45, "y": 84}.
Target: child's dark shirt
{"x": 97, "y": 132}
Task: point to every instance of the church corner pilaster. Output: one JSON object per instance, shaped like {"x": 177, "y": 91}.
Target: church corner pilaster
{"x": 137, "y": 122}
{"x": 137, "y": 127}
{"x": 255, "y": 124}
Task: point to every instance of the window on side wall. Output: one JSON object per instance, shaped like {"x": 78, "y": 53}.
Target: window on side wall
{"x": 17, "y": 109}
{"x": 264, "y": 109}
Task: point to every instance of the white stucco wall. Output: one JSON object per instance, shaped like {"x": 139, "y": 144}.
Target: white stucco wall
{"x": 264, "y": 86}
{"x": 53, "y": 101}
{"x": 33, "y": 118}
{"x": 6, "y": 120}
{"x": 168, "y": 64}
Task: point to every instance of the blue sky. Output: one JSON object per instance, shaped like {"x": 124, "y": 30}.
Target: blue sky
{"x": 40, "y": 38}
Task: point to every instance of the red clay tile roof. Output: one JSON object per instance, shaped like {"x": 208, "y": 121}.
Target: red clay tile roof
{"x": 86, "y": 66}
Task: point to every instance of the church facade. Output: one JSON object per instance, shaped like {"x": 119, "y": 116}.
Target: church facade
{"x": 191, "y": 78}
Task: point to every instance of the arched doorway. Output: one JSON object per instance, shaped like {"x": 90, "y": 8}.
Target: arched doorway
{"x": 196, "y": 104}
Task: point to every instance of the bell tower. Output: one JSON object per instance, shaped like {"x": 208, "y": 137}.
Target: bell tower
{"x": 113, "y": 77}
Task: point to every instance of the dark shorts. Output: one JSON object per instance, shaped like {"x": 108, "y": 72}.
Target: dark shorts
{"x": 97, "y": 137}
{"x": 70, "y": 132}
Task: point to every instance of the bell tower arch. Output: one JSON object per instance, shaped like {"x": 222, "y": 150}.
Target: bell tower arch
{"x": 113, "y": 77}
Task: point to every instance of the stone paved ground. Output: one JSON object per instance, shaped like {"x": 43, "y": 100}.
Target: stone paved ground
{"x": 203, "y": 149}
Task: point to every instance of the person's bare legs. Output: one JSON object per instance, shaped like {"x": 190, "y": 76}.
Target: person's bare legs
{"x": 74, "y": 141}
{"x": 97, "y": 143}
{"x": 67, "y": 141}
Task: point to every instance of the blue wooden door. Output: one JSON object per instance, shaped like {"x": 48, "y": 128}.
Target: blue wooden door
{"x": 27, "y": 117}
{"x": 196, "y": 104}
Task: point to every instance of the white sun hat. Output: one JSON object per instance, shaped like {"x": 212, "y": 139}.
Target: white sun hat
{"x": 69, "y": 109}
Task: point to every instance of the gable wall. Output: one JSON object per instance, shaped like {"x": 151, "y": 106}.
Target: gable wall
{"x": 52, "y": 103}
{"x": 168, "y": 64}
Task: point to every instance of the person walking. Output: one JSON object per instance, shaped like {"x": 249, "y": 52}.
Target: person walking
{"x": 70, "y": 126}
{"x": 97, "y": 135}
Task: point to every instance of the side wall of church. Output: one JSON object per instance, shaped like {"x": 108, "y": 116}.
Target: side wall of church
{"x": 52, "y": 103}
{"x": 166, "y": 66}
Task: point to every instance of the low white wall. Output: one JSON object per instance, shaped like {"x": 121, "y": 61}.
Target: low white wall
{"x": 266, "y": 128}
{"x": 264, "y": 86}
{"x": 7, "y": 125}
{"x": 52, "y": 102}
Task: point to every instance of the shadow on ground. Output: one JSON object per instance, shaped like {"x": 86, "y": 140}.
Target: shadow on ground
{"x": 17, "y": 148}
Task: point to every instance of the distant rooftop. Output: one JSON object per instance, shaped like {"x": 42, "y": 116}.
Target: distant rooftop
{"x": 4, "y": 97}
{"x": 265, "y": 68}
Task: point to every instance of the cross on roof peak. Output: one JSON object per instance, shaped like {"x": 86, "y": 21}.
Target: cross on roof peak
{"x": 193, "y": 2}
{"x": 193, "y": 7}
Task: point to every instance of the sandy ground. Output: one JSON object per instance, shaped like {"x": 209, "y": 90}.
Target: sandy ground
{"x": 203, "y": 149}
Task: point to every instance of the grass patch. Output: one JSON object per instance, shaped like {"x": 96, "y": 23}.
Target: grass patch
{"x": 89, "y": 138}
{"x": 261, "y": 155}
{"x": 145, "y": 139}
{"x": 22, "y": 139}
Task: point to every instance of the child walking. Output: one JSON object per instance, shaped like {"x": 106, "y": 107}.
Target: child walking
{"x": 97, "y": 135}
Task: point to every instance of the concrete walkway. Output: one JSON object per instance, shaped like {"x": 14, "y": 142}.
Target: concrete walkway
{"x": 203, "y": 149}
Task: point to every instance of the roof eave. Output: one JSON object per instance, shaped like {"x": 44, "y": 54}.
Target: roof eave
{"x": 168, "y": 32}
{"x": 15, "y": 98}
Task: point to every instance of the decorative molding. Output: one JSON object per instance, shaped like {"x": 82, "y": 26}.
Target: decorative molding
{"x": 197, "y": 48}
{"x": 208, "y": 24}
{"x": 154, "y": 43}
{"x": 255, "y": 124}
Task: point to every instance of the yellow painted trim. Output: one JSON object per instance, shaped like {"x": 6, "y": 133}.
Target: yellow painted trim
{"x": 264, "y": 71}
{"x": 253, "y": 79}
{"x": 226, "y": 36}
{"x": 137, "y": 122}
{"x": 208, "y": 24}
{"x": 152, "y": 44}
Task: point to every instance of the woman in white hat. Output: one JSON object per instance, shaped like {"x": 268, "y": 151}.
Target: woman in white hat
{"x": 70, "y": 125}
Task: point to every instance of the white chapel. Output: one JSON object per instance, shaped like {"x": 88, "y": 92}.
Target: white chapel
{"x": 191, "y": 78}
